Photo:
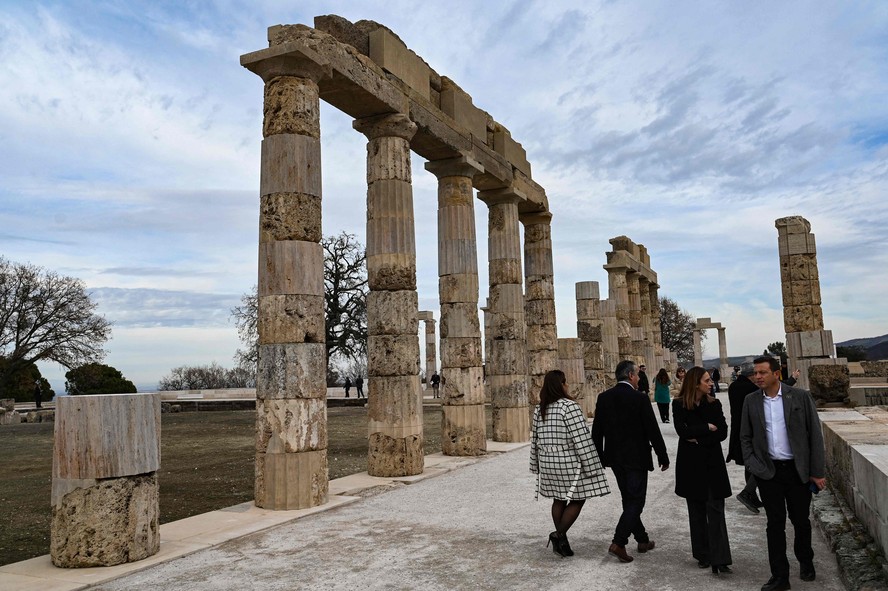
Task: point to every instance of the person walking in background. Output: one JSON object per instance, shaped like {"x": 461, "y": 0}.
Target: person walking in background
{"x": 661, "y": 394}
{"x": 737, "y": 393}
{"x": 436, "y": 380}
{"x": 359, "y": 387}
{"x": 701, "y": 476}
{"x": 716, "y": 378}
{"x": 564, "y": 458}
{"x": 38, "y": 394}
{"x": 624, "y": 430}
{"x": 675, "y": 388}
{"x": 782, "y": 445}
{"x": 644, "y": 386}
{"x": 347, "y": 385}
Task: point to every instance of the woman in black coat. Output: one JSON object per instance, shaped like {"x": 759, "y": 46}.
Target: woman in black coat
{"x": 701, "y": 476}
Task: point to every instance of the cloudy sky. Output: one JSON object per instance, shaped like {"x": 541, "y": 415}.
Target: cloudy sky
{"x": 130, "y": 151}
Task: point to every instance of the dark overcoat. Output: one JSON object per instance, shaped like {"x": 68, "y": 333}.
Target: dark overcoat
{"x": 625, "y": 430}
{"x": 700, "y": 469}
{"x": 737, "y": 393}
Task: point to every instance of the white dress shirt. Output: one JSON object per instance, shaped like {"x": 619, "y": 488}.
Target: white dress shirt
{"x": 775, "y": 426}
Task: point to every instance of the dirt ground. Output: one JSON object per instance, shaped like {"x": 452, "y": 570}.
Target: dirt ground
{"x": 207, "y": 464}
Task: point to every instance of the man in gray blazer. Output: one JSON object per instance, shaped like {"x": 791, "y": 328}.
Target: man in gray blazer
{"x": 782, "y": 446}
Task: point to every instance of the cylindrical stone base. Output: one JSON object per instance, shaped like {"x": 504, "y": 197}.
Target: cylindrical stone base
{"x": 390, "y": 456}
{"x": 511, "y": 425}
{"x": 463, "y": 430}
{"x": 291, "y": 480}
{"x": 107, "y": 522}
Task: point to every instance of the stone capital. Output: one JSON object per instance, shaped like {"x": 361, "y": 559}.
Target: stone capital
{"x": 289, "y": 59}
{"x": 535, "y": 218}
{"x": 389, "y": 125}
{"x": 500, "y": 196}
{"x": 464, "y": 166}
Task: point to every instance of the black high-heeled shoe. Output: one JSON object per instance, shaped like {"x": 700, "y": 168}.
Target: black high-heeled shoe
{"x": 721, "y": 569}
{"x": 565, "y": 546}
{"x": 555, "y": 540}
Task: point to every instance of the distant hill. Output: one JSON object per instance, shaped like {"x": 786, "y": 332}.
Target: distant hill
{"x": 865, "y": 343}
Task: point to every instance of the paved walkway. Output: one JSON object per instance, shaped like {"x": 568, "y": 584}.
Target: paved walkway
{"x": 476, "y": 527}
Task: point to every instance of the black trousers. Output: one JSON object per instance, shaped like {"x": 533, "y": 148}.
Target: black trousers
{"x": 786, "y": 495}
{"x": 663, "y": 407}
{"x": 632, "y": 483}
{"x": 709, "y": 534}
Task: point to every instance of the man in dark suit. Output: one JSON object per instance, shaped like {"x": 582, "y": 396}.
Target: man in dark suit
{"x": 624, "y": 430}
{"x": 737, "y": 393}
{"x": 782, "y": 446}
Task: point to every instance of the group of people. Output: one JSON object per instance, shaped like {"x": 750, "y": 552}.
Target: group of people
{"x": 775, "y": 434}
{"x": 358, "y": 384}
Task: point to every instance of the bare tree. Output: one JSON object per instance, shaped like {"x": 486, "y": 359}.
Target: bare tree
{"x": 677, "y": 330}
{"x": 205, "y": 377}
{"x": 246, "y": 318}
{"x": 47, "y": 317}
{"x": 345, "y": 297}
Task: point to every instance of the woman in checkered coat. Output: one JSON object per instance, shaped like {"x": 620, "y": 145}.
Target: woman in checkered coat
{"x": 564, "y": 458}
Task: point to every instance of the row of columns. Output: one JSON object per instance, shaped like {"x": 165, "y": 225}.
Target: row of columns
{"x": 704, "y": 324}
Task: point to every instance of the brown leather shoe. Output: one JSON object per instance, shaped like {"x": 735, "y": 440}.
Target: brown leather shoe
{"x": 645, "y": 546}
{"x": 619, "y": 552}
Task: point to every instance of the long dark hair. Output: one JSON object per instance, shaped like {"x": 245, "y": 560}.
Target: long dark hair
{"x": 663, "y": 376}
{"x": 552, "y": 390}
{"x": 688, "y": 394}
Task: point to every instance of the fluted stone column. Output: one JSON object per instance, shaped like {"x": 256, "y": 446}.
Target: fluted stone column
{"x": 723, "y": 354}
{"x": 394, "y": 412}
{"x": 431, "y": 348}
{"x": 539, "y": 298}
{"x": 648, "y": 351}
{"x": 590, "y": 330}
{"x": 661, "y": 355}
{"x": 609, "y": 340}
{"x": 291, "y": 410}
{"x": 570, "y": 361}
{"x": 463, "y": 430}
{"x": 507, "y": 330}
{"x": 618, "y": 293}
{"x": 807, "y": 343}
{"x": 698, "y": 348}
{"x": 636, "y": 326}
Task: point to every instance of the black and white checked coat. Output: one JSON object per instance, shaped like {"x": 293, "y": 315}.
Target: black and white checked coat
{"x": 563, "y": 456}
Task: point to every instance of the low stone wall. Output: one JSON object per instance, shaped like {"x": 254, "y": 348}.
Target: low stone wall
{"x": 857, "y": 464}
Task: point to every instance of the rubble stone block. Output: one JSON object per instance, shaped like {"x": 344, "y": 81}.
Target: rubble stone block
{"x": 464, "y": 386}
{"x": 301, "y": 424}
{"x": 460, "y": 320}
{"x": 506, "y": 271}
{"x": 588, "y": 332}
{"x": 829, "y": 383}
{"x": 113, "y": 521}
{"x": 540, "y": 287}
{"x": 461, "y": 352}
{"x": 508, "y": 390}
{"x": 541, "y": 362}
{"x": 291, "y": 106}
{"x": 7, "y": 403}
{"x": 291, "y": 371}
{"x": 458, "y": 288}
{"x": 506, "y": 357}
{"x": 391, "y": 272}
{"x": 802, "y": 318}
{"x": 389, "y": 456}
{"x": 290, "y": 216}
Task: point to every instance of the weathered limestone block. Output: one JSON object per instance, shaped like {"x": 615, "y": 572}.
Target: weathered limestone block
{"x": 387, "y": 50}
{"x": 291, "y": 319}
{"x": 541, "y": 362}
{"x": 508, "y": 391}
{"x": 461, "y": 352}
{"x": 291, "y": 164}
{"x": 288, "y": 371}
{"x": 301, "y": 424}
{"x": 111, "y": 522}
{"x": 390, "y": 456}
{"x": 507, "y": 357}
{"x": 388, "y": 159}
{"x": 460, "y": 320}
{"x": 391, "y": 272}
{"x": 589, "y": 310}
{"x": 462, "y": 287}
{"x": 875, "y": 368}
{"x": 504, "y": 271}
{"x": 541, "y": 337}
{"x": 465, "y": 386}
{"x": 539, "y": 287}
{"x": 802, "y": 318}
{"x": 588, "y": 332}
{"x": 288, "y": 481}
{"x": 291, "y": 267}
{"x": 38, "y": 416}
{"x": 463, "y": 430}
{"x": 507, "y": 326}
{"x": 829, "y": 383}
{"x": 540, "y": 311}
{"x": 394, "y": 355}
{"x": 393, "y": 406}
{"x": 291, "y": 106}
{"x": 290, "y": 216}
{"x": 593, "y": 355}
{"x": 511, "y": 424}
{"x": 9, "y": 417}
{"x": 393, "y": 313}
{"x": 507, "y": 298}
{"x": 7, "y": 403}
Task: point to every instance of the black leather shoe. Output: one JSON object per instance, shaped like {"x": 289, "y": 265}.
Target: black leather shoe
{"x": 748, "y": 502}
{"x": 776, "y": 584}
{"x": 702, "y": 564}
{"x": 555, "y": 540}
{"x": 806, "y": 572}
{"x": 565, "y": 546}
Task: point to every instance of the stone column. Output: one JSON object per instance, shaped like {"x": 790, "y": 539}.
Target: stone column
{"x": 807, "y": 343}
{"x": 291, "y": 408}
{"x": 636, "y": 326}
{"x": 723, "y": 354}
{"x": 618, "y": 293}
{"x": 539, "y": 298}
{"x": 590, "y": 331}
{"x": 648, "y": 352}
{"x": 104, "y": 480}
{"x": 661, "y": 355}
{"x": 394, "y": 413}
{"x": 485, "y": 311}
{"x": 463, "y": 430}
{"x": 609, "y": 340}
{"x": 698, "y": 349}
{"x": 507, "y": 330}
{"x": 431, "y": 349}
{"x": 570, "y": 361}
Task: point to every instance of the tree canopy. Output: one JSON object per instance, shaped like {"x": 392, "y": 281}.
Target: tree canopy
{"x": 207, "y": 377}
{"x": 677, "y": 330}
{"x": 97, "y": 378}
{"x": 776, "y": 349}
{"x": 19, "y": 383}
{"x": 45, "y": 316}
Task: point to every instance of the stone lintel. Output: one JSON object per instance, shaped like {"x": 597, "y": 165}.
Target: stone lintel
{"x": 498, "y": 172}
{"x": 436, "y": 138}
{"x": 426, "y": 316}
{"x": 536, "y": 199}
{"x": 512, "y": 150}
{"x": 393, "y": 55}
{"x": 457, "y": 104}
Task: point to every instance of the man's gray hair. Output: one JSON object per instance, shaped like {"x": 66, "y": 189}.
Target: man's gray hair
{"x": 624, "y": 369}
{"x": 747, "y": 369}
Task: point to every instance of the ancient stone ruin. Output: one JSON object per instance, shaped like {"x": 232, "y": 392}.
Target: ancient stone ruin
{"x": 705, "y": 324}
